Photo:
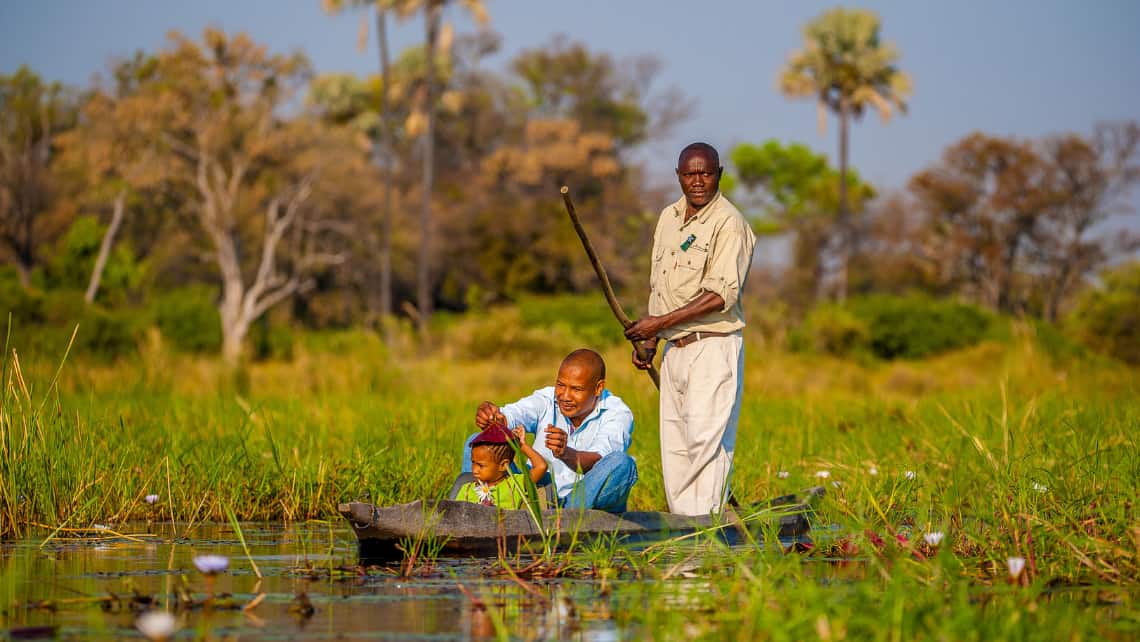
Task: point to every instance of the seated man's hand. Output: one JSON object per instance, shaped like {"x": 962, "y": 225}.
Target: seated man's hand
{"x": 556, "y": 440}
{"x": 487, "y": 414}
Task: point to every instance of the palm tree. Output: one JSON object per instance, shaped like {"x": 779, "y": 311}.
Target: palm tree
{"x": 433, "y": 13}
{"x": 847, "y": 68}
{"x": 387, "y": 144}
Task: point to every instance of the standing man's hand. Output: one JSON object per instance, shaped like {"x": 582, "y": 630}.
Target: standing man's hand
{"x": 643, "y": 332}
{"x": 650, "y": 349}
{"x": 645, "y": 328}
{"x": 556, "y": 441}
{"x": 487, "y": 414}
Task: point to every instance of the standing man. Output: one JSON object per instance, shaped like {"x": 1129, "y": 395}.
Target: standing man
{"x": 581, "y": 430}
{"x": 702, "y": 251}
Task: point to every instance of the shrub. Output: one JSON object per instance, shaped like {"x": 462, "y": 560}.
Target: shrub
{"x": 1107, "y": 318}
{"x": 830, "y": 329}
{"x": 499, "y": 333}
{"x": 914, "y": 327}
{"x": 25, "y": 306}
{"x": 107, "y": 334}
{"x": 1056, "y": 344}
{"x": 585, "y": 319}
{"x": 63, "y": 307}
{"x": 188, "y": 319}
{"x": 270, "y": 340}
{"x": 74, "y": 258}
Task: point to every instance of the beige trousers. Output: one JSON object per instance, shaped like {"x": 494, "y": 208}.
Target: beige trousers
{"x": 701, "y": 386}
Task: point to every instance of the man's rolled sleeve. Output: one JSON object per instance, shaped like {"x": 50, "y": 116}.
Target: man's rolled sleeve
{"x": 728, "y": 265}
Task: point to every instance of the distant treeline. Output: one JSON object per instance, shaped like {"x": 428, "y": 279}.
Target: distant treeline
{"x": 216, "y": 167}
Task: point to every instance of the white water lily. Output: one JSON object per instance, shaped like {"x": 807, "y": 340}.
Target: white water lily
{"x": 1041, "y": 488}
{"x": 1016, "y": 566}
{"x": 150, "y": 499}
{"x": 211, "y": 564}
{"x": 910, "y": 474}
{"x": 933, "y": 539}
{"x": 873, "y": 471}
{"x": 823, "y": 474}
{"x": 156, "y": 625}
{"x": 783, "y": 474}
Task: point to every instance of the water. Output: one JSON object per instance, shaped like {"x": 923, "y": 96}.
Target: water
{"x": 85, "y": 587}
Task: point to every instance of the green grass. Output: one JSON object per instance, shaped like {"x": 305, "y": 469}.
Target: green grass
{"x": 1014, "y": 451}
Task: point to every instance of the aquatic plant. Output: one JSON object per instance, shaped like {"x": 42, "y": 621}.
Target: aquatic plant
{"x": 156, "y": 625}
{"x": 211, "y": 564}
{"x": 1016, "y": 566}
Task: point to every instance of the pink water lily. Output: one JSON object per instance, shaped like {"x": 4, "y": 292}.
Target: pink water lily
{"x": 211, "y": 564}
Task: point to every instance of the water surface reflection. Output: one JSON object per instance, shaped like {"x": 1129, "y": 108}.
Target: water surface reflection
{"x": 90, "y": 588}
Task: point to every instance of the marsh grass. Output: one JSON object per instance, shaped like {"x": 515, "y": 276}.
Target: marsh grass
{"x": 1016, "y": 450}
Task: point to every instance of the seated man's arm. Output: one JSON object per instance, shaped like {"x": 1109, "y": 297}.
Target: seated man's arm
{"x": 615, "y": 431}
{"x": 574, "y": 459}
{"x": 525, "y": 412}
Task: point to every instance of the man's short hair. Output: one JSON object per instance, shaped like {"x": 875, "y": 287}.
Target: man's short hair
{"x": 699, "y": 147}
{"x": 589, "y": 359}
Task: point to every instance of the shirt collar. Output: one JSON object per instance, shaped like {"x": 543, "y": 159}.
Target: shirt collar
{"x": 599, "y": 407}
{"x": 702, "y": 214}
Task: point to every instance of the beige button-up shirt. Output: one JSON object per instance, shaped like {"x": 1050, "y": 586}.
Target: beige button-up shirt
{"x": 712, "y": 251}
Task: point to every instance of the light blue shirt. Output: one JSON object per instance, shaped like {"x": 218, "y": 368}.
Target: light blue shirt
{"x": 607, "y": 429}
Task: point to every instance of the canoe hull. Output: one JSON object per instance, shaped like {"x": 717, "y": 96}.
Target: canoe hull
{"x": 464, "y": 528}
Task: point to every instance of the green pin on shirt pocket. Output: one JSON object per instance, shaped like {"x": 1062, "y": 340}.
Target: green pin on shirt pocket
{"x": 688, "y": 242}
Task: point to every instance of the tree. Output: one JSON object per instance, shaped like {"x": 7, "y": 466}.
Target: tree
{"x": 1014, "y": 223}
{"x": 513, "y": 248}
{"x": 983, "y": 204}
{"x": 1091, "y": 179}
{"x": 386, "y": 141}
{"x": 214, "y": 107}
{"x": 564, "y": 80}
{"x": 32, "y": 113}
{"x": 423, "y": 118}
{"x": 847, "y": 68}
{"x": 797, "y": 189}
{"x": 113, "y": 163}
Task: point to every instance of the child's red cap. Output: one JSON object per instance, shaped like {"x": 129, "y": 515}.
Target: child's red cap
{"x": 494, "y": 434}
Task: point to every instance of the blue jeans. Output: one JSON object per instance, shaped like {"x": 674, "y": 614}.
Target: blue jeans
{"x": 605, "y": 487}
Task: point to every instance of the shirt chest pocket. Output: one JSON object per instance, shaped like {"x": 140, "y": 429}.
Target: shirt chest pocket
{"x": 689, "y": 270}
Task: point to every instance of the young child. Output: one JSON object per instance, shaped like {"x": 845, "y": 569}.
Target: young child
{"x": 491, "y": 456}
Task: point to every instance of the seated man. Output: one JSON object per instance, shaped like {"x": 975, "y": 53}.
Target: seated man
{"x": 581, "y": 430}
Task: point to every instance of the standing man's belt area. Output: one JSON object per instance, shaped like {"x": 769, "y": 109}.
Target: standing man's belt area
{"x": 697, "y": 336}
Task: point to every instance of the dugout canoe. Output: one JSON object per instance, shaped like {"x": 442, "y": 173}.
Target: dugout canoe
{"x": 464, "y": 528}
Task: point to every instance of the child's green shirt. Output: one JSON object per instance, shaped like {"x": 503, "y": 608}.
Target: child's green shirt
{"x": 508, "y": 494}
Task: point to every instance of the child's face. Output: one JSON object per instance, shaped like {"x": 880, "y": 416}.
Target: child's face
{"x": 485, "y": 467}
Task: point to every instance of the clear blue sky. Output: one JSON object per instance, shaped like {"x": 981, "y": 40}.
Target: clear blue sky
{"x": 1012, "y": 67}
